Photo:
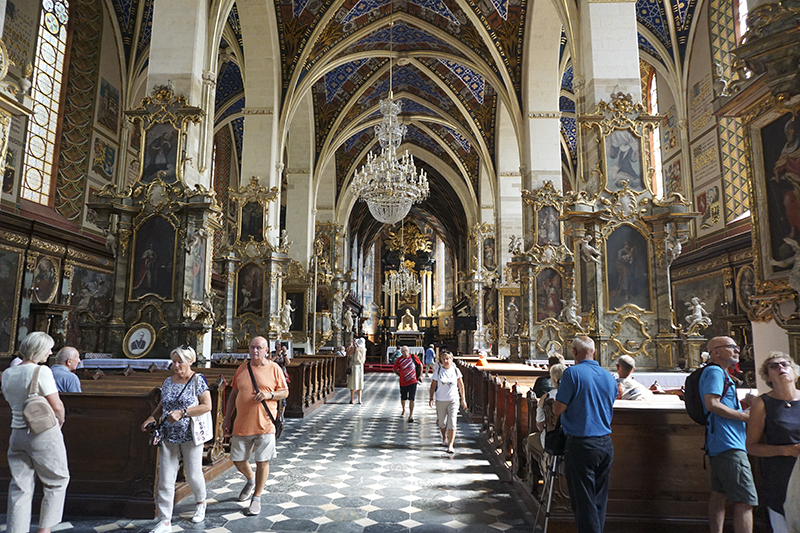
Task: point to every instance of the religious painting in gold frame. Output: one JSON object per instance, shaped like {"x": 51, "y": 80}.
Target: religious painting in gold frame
{"x": 162, "y": 117}
{"x": 45, "y": 279}
{"x": 153, "y": 259}
{"x": 627, "y": 269}
{"x": 509, "y": 314}
{"x": 249, "y": 290}
{"x": 11, "y": 269}
{"x": 549, "y": 293}
{"x": 773, "y": 136}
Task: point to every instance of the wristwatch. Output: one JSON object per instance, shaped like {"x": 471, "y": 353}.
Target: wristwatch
{"x": 273, "y": 395}
{"x": 185, "y": 414}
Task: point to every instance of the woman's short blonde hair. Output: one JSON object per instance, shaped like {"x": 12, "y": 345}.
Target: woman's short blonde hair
{"x": 763, "y": 370}
{"x": 445, "y": 353}
{"x": 556, "y": 371}
{"x": 185, "y": 354}
{"x": 36, "y": 347}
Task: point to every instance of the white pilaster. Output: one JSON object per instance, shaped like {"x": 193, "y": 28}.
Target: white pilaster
{"x": 610, "y": 49}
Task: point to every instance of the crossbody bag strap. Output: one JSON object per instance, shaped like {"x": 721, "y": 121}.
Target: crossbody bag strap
{"x": 255, "y": 388}
{"x": 32, "y": 388}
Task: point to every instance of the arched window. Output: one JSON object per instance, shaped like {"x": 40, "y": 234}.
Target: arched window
{"x": 655, "y": 137}
{"x": 741, "y": 19}
{"x": 37, "y": 171}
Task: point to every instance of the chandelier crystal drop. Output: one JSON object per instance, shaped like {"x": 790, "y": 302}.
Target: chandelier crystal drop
{"x": 388, "y": 184}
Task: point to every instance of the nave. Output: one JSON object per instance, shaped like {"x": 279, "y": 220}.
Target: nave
{"x": 358, "y": 468}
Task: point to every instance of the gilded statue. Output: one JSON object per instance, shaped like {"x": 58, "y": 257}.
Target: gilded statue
{"x": 410, "y": 239}
{"x": 407, "y": 323}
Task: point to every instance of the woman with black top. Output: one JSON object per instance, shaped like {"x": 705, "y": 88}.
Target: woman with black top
{"x": 773, "y": 433}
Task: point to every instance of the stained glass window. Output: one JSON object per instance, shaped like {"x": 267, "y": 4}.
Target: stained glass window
{"x": 46, "y": 93}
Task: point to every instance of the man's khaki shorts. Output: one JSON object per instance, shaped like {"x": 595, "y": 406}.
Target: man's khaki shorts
{"x": 731, "y": 476}
{"x": 261, "y": 446}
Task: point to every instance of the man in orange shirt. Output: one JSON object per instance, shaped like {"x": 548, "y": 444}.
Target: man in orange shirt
{"x": 253, "y": 430}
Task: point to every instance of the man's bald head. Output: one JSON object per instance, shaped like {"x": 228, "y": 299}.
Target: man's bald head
{"x": 69, "y": 357}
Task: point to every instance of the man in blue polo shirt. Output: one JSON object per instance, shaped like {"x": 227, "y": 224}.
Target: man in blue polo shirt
{"x": 585, "y": 399}
{"x": 731, "y": 477}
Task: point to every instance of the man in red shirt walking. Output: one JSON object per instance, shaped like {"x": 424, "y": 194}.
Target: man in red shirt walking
{"x": 408, "y": 367}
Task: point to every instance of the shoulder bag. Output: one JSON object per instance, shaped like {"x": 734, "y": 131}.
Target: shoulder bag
{"x": 277, "y": 422}
{"x": 202, "y": 426}
{"x": 37, "y": 412}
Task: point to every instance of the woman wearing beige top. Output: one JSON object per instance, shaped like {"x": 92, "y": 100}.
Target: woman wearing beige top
{"x": 356, "y": 357}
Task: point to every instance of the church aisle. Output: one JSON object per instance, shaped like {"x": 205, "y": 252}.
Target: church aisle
{"x": 360, "y": 468}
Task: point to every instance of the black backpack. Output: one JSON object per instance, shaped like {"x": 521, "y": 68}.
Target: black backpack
{"x": 692, "y": 398}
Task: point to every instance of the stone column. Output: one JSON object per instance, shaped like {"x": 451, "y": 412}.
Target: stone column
{"x": 299, "y": 214}
{"x": 230, "y": 292}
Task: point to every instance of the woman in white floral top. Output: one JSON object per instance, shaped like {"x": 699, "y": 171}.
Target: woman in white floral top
{"x": 183, "y": 395}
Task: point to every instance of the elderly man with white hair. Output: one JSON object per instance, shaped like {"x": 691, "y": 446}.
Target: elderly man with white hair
{"x": 67, "y": 360}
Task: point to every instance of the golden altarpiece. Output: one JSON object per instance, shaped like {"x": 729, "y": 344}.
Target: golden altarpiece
{"x": 597, "y": 261}
{"x": 159, "y": 230}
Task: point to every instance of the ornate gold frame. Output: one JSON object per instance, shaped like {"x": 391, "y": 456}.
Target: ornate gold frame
{"x": 143, "y": 326}
{"x": 767, "y": 112}
{"x": 619, "y": 115}
{"x": 236, "y": 289}
{"x": 638, "y": 226}
{"x": 132, "y": 258}
{"x": 566, "y": 287}
{"x": 18, "y": 285}
{"x": 504, "y": 293}
{"x": 163, "y": 107}
{"x": 56, "y": 263}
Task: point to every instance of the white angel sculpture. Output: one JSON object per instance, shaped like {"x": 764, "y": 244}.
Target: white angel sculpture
{"x": 569, "y": 314}
{"x": 516, "y": 246}
{"x": 699, "y": 317}
{"x": 589, "y": 252}
{"x": 674, "y": 246}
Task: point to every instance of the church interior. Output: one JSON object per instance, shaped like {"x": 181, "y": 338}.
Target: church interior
{"x": 496, "y": 175}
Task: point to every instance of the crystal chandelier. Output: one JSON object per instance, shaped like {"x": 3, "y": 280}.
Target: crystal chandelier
{"x": 390, "y": 185}
{"x": 402, "y": 281}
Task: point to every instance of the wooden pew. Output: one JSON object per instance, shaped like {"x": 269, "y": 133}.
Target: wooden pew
{"x": 112, "y": 468}
{"x": 310, "y": 385}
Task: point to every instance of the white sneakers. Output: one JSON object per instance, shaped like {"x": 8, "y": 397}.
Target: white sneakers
{"x": 162, "y": 527}
{"x": 199, "y": 513}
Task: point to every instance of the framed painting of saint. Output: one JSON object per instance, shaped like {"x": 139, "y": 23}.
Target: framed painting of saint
{"x": 153, "y": 259}
{"x": 252, "y": 222}
{"x": 45, "y": 280}
{"x": 776, "y": 167}
{"x": 623, "y": 151}
{"x": 548, "y": 228}
{"x": 549, "y": 293}
{"x": 489, "y": 255}
{"x": 627, "y": 258}
{"x": 11, "y": 265}
{"x": 250, "y": 290}
{"x": 160, "y": 153}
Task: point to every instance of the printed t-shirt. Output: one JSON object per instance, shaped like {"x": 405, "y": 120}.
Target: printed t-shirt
{"x": 407, "y": 368}
{"x": 251, "y": 419}
{"x": 447, "y": 381}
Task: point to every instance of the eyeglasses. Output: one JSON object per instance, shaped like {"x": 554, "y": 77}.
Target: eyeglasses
{"x": 729, "y": 346}
{"x": 779, "y": 364}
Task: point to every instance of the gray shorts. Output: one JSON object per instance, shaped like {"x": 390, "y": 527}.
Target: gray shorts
{"x": 731, "y": 476}
{"x": 261, "y": 446}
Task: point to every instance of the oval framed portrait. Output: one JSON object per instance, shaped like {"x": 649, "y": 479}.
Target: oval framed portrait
{"x": 139, "y": 341}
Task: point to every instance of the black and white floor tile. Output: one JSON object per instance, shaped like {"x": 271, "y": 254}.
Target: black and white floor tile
{"x": 358, "y": 468}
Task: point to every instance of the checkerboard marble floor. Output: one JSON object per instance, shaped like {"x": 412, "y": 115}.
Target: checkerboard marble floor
{"x": 359, "y": 468}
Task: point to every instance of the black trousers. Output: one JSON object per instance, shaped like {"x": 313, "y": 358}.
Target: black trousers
{"x": 587, "y": 465}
